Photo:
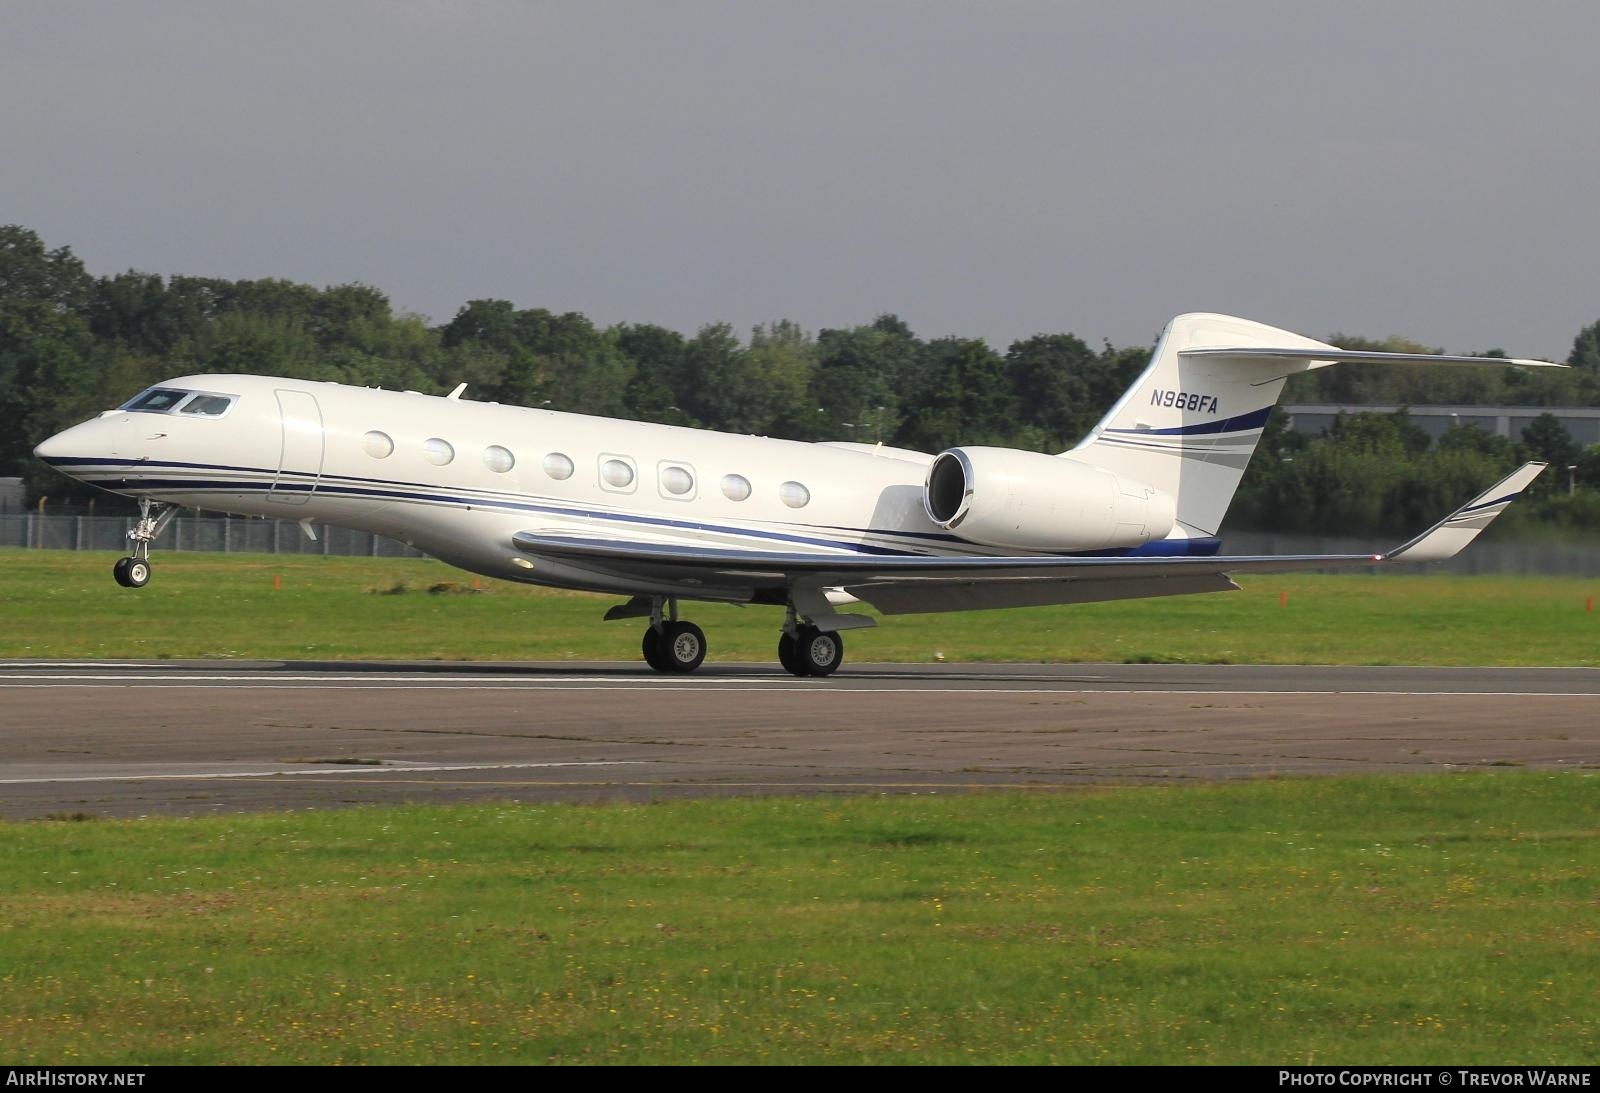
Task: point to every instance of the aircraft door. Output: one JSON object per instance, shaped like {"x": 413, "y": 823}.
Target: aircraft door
{"x": 300, "y": 458}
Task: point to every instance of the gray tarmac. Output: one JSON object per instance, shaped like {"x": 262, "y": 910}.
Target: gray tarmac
{"x": 135, "y": 738}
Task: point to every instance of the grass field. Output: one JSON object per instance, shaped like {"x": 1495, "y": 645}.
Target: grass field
{"x": 1381, "y": 920}
{"x": 64, "y": 604}
{"x": 1446, "y": 918}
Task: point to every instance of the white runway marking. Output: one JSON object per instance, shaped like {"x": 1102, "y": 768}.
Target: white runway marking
{"x": 777, "y": 684}
{"x": 357, "y": 677}
{"x": 78, "y": 664}
{"x": 347, "y": 768}
{"x": 127, "y": 675}
{"x": 820, "y": 692}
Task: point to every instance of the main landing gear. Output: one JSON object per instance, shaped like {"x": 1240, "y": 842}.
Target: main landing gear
{"x": 810, "y": 652}
{"x": 674, "y": 645}
{"x": 154, "y": 516}
{"x": 670, "y": 644}
{"x": 804, "y": 650}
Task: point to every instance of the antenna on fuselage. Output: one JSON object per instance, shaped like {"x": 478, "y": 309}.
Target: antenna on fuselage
{"x": 456, "y": 394}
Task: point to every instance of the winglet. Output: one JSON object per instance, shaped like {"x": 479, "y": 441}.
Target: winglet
{"x": 1449, "y": 536}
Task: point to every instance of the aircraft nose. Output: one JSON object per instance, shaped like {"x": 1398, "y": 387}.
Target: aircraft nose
{"x": 76, "y": 442}
{"x": 56, "y": 447}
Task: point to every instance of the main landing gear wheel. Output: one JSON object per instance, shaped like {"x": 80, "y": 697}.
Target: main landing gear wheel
{"x": 683, "y": 646}
{"x": 675, "y": 647}
{"x": 810, "y": 652}
{"x": 131, "y": 572}
{"x": 652, "y": 649}
{"x": 789, "y": 654}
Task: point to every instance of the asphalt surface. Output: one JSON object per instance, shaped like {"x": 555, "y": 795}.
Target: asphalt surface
{"x": 126, "y": 738}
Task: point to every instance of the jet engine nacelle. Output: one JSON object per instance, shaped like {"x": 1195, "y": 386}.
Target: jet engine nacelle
{"x": 1002, "y": 497}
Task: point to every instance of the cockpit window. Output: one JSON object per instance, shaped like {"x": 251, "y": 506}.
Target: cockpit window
{"x": 207, "y": 405}
{"x": 157, "y": 400}
{"x": 169, "y": 400}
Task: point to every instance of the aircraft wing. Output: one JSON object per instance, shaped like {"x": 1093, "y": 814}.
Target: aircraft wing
{"x": 907, "y": 583}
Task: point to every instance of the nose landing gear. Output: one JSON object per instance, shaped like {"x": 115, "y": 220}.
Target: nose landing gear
{"x": 154, "y": 516}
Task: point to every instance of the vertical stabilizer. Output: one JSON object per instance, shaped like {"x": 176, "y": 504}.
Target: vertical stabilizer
{"x": 1188, "y": 426}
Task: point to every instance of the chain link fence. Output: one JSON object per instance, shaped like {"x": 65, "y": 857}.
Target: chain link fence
{"x": 227, "y": 534}
{"x": 1487, "y": 555}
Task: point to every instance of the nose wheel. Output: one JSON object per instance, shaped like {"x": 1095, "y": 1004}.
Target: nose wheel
{"x": 134, "y": 570}
{"x": 131, "y": 572}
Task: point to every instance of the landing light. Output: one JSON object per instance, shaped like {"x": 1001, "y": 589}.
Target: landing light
{"x": 522, "y": 562}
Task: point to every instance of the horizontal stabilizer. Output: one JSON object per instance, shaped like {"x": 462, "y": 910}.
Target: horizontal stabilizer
{"x": 1189, "y": 425}
{"x": 1317, "y": 358}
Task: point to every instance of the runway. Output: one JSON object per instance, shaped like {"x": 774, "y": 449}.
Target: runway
{"x": 137, "y": 738}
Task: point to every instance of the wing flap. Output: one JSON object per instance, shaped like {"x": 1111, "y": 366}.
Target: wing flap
{"x": 918, "y": 597}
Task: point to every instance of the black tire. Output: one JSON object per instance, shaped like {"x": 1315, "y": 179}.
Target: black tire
{"x": 651, "y": 647}
{"x": 683, "y": 646}
{"x": 120, "y": 572}
{"x": 138, "y": 572}
{"x": 789, "y": 655}
{"x": 820, "y": 653}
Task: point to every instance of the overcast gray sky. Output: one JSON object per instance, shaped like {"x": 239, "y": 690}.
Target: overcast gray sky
{"x": 986, "y": 169}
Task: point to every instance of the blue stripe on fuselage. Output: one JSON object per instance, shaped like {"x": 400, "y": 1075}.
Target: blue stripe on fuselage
{"x": 319, "y": 484}
{"x": 1255, "y": 419}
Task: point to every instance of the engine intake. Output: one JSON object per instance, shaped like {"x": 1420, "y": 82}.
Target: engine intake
{"x": 1017, "y": 500}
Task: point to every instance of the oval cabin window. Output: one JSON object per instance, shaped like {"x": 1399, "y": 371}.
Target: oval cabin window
{"x": 794, "y": 495}
{"x": 438, "y": 452}
{"x": 498, "y": 459}
{"x": 558, "y": 466}
{"x": 735, "y": 487}
{"x": 676, "y": 480}
{"x": 377, "y": 445}
{"x": 616, "y": 473}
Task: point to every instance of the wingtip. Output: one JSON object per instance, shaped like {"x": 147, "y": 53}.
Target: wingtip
{"x": 1521, "y": 478}
{"x": 1451, "y": 535}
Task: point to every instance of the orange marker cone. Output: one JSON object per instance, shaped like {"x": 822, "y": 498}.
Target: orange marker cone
{"x": 1283, "y": 599}
{"x": 277, "y": 581}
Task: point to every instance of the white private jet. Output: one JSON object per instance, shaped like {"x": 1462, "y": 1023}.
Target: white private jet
{"x": 662, "y": 514}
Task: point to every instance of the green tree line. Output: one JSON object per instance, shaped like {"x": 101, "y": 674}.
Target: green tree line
{"x": 72, "y": 344}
